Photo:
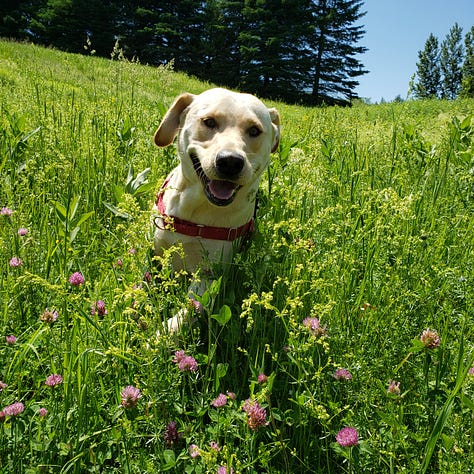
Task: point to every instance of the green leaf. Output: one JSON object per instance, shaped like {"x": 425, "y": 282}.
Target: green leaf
{"x": 224, "y": 315}
{"x": 467, "y": 402}
{"x": 60, "y": 210}
{"x": 169, "y": 458}
{"x": 73, "y": 205}
{"x": 116, "y": 211}
{"x": 117, "y": 192}
{"x": 84, "y": 217}
{"x": 416, "y": 346}
{"x": 221, "y": 371}
{"x": 144, "y": 188}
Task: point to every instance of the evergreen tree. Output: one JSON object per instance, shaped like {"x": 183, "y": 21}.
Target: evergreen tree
{"x": 467, "y": 83}
{"x": 299, "y": 50}
{"x": 148, "y": 29}
{"x": 451, "y": 60}
{"x": 67, "y": 24}
{"x": 428, "y": 70}
{"x": 333, "y": 38}
{"x": 14, "y": 17}
{"x": 270, "y": 44}
{"x": 220, "y": 58}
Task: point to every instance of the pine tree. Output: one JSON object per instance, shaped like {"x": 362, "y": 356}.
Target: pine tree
{"x": 467, "y": 83}
{"x": 428, "y": 70}
{"x": 67, "y": 24}
{"x": 136, "y": 27}
{"x": 451, "y": 59}
{"x": 220, "y": 57}
{"x": 14, "y": 17}
{"x": 270, "y": 47}
{"x": 333, "y": 41}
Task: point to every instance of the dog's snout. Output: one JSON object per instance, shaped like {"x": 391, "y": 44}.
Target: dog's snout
{"x": 229, "y": 164}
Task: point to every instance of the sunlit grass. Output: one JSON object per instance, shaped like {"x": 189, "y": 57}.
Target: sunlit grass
{"x": 365, "y": 241}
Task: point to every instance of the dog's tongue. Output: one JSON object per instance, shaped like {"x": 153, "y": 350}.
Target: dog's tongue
{"x": 222, "y": 189}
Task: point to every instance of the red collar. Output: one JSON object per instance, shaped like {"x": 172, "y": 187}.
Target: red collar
{"x": 199, "y": 230}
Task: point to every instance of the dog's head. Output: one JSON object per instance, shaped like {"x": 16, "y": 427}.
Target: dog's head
{"x": 225, "y": 140}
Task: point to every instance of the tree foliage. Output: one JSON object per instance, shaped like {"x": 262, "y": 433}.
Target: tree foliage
{"x": 467, "y": 83}
{"x": 298, "y": 50}
{"x": 451, "y": 59}
{"x": 446, "y": 72}
{"x": 428, "y": 70}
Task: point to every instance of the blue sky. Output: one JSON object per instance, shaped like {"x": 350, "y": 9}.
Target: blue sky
{"x": 395, "y": 31}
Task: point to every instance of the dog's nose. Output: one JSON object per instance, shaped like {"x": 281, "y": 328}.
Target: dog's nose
{"x": 229, "y": 164}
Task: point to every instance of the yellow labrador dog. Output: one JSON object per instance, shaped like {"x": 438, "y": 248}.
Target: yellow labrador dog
{"x": 208, "y": 201}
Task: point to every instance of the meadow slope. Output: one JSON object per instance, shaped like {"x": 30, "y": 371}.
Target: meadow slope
{"x": 351, "y": 309}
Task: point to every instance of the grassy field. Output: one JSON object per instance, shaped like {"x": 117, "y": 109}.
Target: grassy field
{"x": 341, "y": 339}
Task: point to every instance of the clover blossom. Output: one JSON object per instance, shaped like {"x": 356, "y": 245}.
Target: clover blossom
{"x": 49, "y": 316}
{"x": 256, "y": 415}
{"x": 194, "y": 451}
{"x": 185, "y": 363}
{"x": 76, "y": 279}
{"x": 10, "y": 340}
{"x": 6, "y": 211}
{"x": 342, "y": 374}
{"x": 314, "y": 327}
{"x": 220, "y": 401}
{"x": 224, "y": 470}
{"x": 262, "y": 378}
{"x": 53, "y": 380}
{"x": 14, "y": 409}
{"x": 430, "y": 338}
{"x": 214, "y": 446}
{"x": 99, "y": 309}
{"x": 347, "y": 437}
{"x": 393, "y": 387}
{"x": 130, "y": 396}
{"x": 15, "y": 262}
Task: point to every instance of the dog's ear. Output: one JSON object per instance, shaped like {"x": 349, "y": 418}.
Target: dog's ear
{"x": 170, "y": 124}
{"x": 275, "y": 116}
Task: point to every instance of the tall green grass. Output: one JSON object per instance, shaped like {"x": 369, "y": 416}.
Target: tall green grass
{"x": 364, "y": 222}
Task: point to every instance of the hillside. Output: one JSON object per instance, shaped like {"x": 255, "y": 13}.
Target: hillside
{"x": 354, "y": 298}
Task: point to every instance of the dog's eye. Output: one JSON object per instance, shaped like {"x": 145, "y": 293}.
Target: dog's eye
{"x": 210, "y": 123}
{"x": 254, "y": 131}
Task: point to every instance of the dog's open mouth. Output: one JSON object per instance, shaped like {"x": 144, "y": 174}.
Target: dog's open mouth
{"x": 218, "y": 192}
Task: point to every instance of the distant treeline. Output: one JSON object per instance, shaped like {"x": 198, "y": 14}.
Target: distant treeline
{"x": 296, "y": 50}
{"x": 446, "y": 72}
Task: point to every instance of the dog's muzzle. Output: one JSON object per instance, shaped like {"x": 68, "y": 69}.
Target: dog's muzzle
{"x": 222, "y": 191}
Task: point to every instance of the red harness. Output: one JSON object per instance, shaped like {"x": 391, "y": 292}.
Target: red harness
{"x": 199, "y": 230}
